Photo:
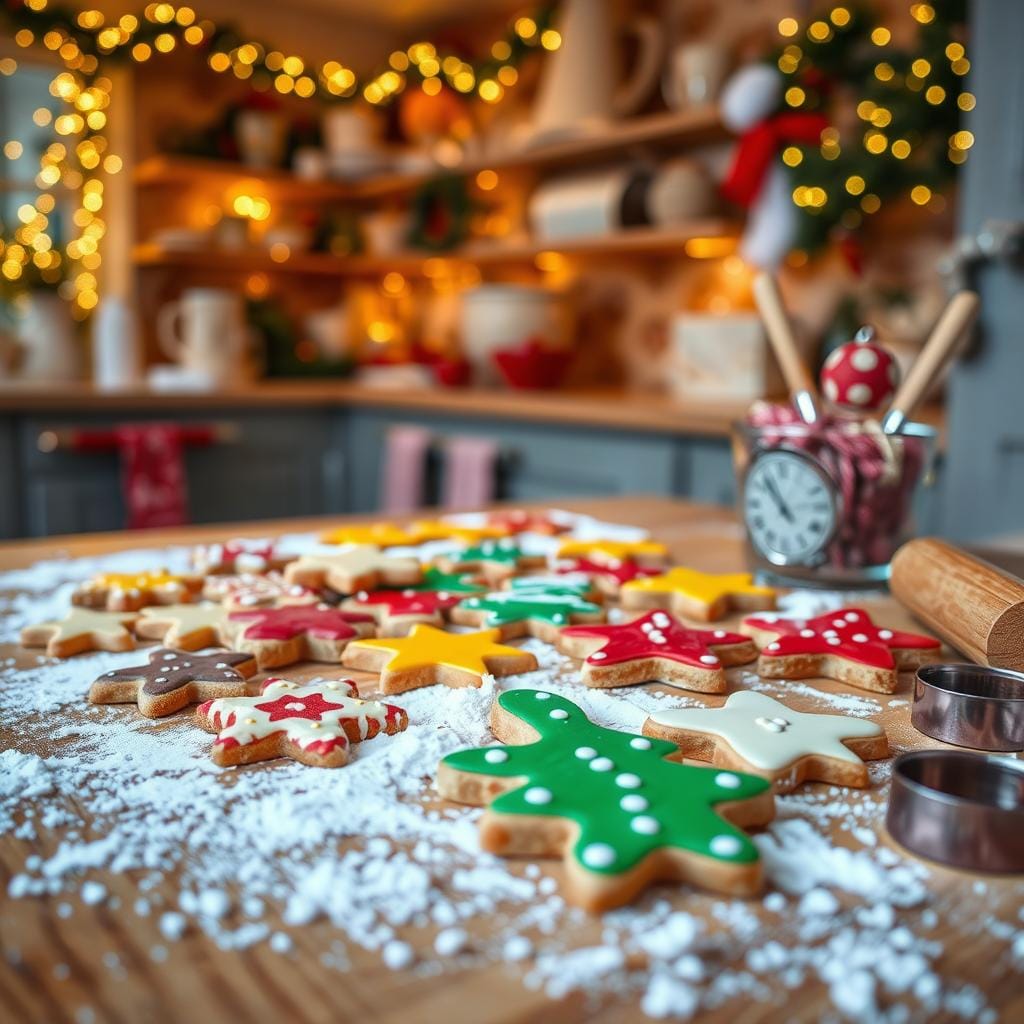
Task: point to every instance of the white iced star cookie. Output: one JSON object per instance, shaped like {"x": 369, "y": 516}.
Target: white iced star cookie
{"x": 757, "y": 734}
{"x": 354, "y": 568}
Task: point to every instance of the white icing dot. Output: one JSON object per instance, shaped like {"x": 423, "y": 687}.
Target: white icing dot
{"x": 295, "y": 705}
{"x": 646, "y": 627}
{"x": 727, "y": 780}
{"x": 885, "y": 634}
{"x": 833, "y": 640}
{"x": 161, "y": 679}
{"x": 598, "y": 656}
{"x": 851, "y": 617}
{"x": 558, "y": 713}
{"x": 633, "y": 802}
{"x": 645, "y": 825}
{"x": 773, "y": 646}
{"x": 541, "y": 695}
{"x": 858, "y": 394}
{"x": 628, "y": 780}
{"x": 640, "y": 743}
{"x": 860, "y": 638}
{"x": 558, "y": 617}
{"x": 496, "y": 756}
{"x": 709, "y": 659}
{"x": 602, "y": 764}
{"x": 719, "y": 634}
{"x": 537, "y": 795}
{"x": 807, "y": 632}
{"x": 725, "y": 846}
{"x": 839, "y": 623}
{"x": 864, "y": 359}
{"x": 598, "y": 855}
{"x": 661, "y": 620}
{"x": 586, "y": 753}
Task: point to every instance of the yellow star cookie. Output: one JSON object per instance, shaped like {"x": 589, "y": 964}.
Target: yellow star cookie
{"x": 129, "y": 591}
{"x": 438, "y": 529}
{"x": 615, "y": 552}
{"x": 359, "y": 567}
{"x": 381, "y": 535}
{"x": 705, "y": 596}
{"x": 429, "y": 655}
{"x": 82, "y": 629}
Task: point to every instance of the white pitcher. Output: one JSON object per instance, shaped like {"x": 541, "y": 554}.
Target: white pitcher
{"x": 206, "y": 334}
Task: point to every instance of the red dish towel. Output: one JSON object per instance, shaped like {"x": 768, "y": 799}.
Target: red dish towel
{"x": 404, "y": 479}
{"x": 153, "y": 479}
{"x": 470, "y": 472}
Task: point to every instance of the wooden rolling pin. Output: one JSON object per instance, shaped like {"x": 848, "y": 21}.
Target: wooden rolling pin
{"x": 973, "y": 606}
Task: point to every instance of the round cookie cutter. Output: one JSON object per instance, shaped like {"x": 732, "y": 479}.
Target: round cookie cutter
{"x": 970, "y": 706}
{"x": 959, "y": 808}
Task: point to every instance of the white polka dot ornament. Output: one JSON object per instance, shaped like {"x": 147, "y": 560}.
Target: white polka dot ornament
{"x": 609, "y": 803}
{"x": 860, "y": 377}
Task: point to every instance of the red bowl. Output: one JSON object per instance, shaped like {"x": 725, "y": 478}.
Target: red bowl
{"x": 531, "y": 366}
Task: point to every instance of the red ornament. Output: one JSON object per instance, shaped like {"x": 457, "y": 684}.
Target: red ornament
{"x": 860, "y": 376}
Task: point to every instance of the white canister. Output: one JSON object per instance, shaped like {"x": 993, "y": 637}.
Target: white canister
{"x": 50, "y": 348}
{"x": 694, "y": 74}
{"x": 592, "y": 203}
{"x": 116, "y": 358}
{"x": 497, "y": 316}
{"x": 206, "y": 334}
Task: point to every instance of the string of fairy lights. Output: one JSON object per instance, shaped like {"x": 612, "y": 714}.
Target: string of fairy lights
{"x": 84, "y": 40}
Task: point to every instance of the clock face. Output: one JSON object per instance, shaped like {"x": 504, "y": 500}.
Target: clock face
{"x": 789, "y": 504}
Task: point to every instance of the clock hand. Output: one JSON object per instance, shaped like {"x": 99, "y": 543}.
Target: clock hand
{"x": 773, "y": 490}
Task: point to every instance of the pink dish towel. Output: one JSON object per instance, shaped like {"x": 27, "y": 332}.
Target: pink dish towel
{"x": 405, "y": 470}
{"x": 470, "y": 472}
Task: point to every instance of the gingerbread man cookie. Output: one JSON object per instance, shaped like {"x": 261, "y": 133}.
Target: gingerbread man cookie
{"x": 360, "y": 567}
{"x": 185, "y": 627}
{"x": 532, "y": 608}
{"x": 755, "y": 733}
{"x": 173, "y": 679}
{"x": 844, "y": 645}
{"x": 237, "y": 557}
{"x": 703, "y": 596}
{"x": 281, "y": 636}
{"x": 313, "y": 723}
{"x": 130, "y": 591}
{"x": 82, "y": 629}
{"x": 428, "y": 655}
{"x": 608, "y": 802}
{"x": 615, "y": 552}
{"x": 495, "y": 560}
{"x": 607, "y": 578}
{"x": 656, "y": 647}
{"x": 248, "y": 590}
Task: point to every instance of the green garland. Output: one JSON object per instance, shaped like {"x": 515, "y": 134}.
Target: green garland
{"x": 907, "y": 140}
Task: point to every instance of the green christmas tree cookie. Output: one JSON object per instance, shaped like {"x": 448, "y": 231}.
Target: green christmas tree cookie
{"x": 609, "y": 802}
{"x": 539, "y": 610}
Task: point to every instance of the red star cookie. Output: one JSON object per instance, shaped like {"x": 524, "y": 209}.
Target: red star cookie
{"x": 173, "y": 679}
{"x": 313, "y": 723}
{"x": 844, "y": 645}
{"x": 279, "y": 636}
{"x": 257, "y": 591}
{"x": 608, "y": 577}
{"x": 397, "y": 611}
{"x": 237, "y": 556}
{"x": 517, "y": 520}
{"x": 656, "y": 647}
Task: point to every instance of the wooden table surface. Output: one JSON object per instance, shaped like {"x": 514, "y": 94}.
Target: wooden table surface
{"x": 200, "y": 982}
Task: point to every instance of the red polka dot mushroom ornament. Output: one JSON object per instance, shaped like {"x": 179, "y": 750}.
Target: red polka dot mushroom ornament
{"x": 860, "y": 376}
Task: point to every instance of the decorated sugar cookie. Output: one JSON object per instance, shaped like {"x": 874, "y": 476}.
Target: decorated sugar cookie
{"x": 757, "y": 734}
{"x": 360, "y": 567}
{"x": 443, "y": 529}
{"x": 615, "y": 552}
{"x": 237, "y": 557}
{"x": 451, "y": 582}
{"x": 540, "y": 610}
{"x": 397, "y": 611}
{"x": 578, "y": 581}
{"x": 704, "y": 596}
{"x": 494, "y": 559}
{"x": 608, "y": 578}
{"x": 314, "y": 723}
{"x": 517, "y": 520}
{"x": 129, "y": 591}
{"x": 844, "y": 645}
{"x": 428, "y": 655}
{"x": 185, "y": 627}
{"x": 608, "y": 802}
{"x": 249, "y": 590}
{"x": 656, "y": 647}
{"x": 173, "y": 679}
{"x": 281, "y": 636}
{"x": 381, "y": 535}
{"x": 81, "y": 630}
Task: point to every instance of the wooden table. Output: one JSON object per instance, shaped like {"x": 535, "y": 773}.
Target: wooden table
{"x": 199, "y": 982}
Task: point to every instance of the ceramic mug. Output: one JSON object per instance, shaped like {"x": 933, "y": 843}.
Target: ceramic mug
{"x": 694, "y": 73}
{"x": 205, "y": 333}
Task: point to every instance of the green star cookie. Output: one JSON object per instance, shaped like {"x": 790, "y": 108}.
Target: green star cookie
{"x": 539, "y": 610}
{"x": 619, "y": 813}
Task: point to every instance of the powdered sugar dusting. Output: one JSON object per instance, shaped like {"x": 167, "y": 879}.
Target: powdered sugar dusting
{"x": 253, "y": 855}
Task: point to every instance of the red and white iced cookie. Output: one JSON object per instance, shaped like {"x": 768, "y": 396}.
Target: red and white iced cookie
{"x": 844, "y": 645}
{"x": 281, "y": 636}
{"x": 517, "y": 520}
{"x": 237, "y": 557}
{"x": 130, "y": 591}
{"x": 607, "y": 577}
{"x": 656, "y": 647}
{"x": 397, "y": 611}
{"x": 250, "y": 590}
{"x": 314, "y": 723}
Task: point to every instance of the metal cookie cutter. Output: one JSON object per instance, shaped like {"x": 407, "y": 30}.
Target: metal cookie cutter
{"x": 970, "y": 706}
{"x": 959, "y": 808}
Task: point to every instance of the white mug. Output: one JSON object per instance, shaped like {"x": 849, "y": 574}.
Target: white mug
{"x": 694, "y": 74}
{"x": 205, "y": 332}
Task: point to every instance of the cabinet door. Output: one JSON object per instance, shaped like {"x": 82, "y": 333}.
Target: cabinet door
{"x": 708, "y": 474}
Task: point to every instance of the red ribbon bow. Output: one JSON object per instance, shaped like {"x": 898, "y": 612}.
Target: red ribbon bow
{"x": 757, "y": 149}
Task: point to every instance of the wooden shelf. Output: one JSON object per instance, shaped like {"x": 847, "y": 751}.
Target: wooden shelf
{"x": 632, "y": 242}
{"x": 671, "y": 130}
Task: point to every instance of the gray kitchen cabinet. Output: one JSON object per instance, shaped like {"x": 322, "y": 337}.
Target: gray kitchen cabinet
{"x": 536, "y": 461}
{"x": 708, "y": 471}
